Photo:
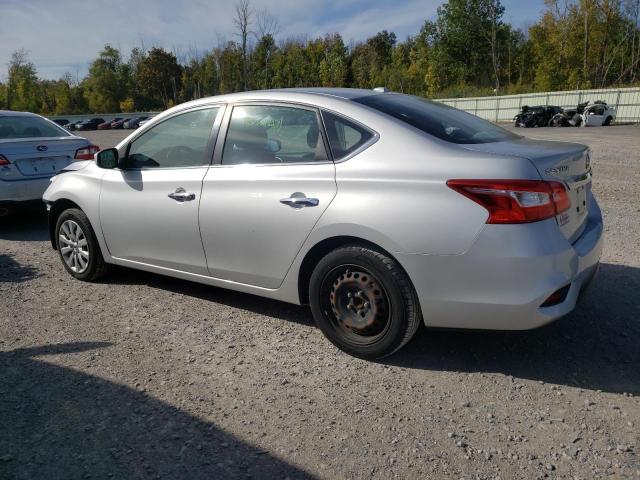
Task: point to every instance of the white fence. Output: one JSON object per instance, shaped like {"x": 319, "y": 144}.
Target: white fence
{"x": 504, "y": 108}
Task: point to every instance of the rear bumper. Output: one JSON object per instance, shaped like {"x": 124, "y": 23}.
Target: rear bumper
{"x": 507, "y": 274}
{"x": 23, "y": 190}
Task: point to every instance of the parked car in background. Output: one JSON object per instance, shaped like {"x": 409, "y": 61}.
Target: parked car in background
{"x": 71, "y": 126}
{"x": 598, "y": 114}
{"x": 117, "y": 124}
{"x": 571, "y": 117}
{"x": 133, "y": 123}
{"x": 538, "y": 116}
{"x": 586, "y": 114}
{"x": 91, "y": 124}
{"x": 380, "y": 210}
{"x": 60, "y": 121}
{"x": 32, "y": 150}
{"x": 107, "y": 125}
{"x": 143, "y": 122}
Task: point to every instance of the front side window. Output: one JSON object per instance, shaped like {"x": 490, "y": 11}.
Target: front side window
{"x": 179, "y": 141}
{"x": 437, "y": 119}
{"x": 15, "y": 126}
{"x": 260, "y": 134}
{"x": 345, "y": 136}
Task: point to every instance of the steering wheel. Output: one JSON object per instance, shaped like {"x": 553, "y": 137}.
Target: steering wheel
{"x": 178, "y": 152}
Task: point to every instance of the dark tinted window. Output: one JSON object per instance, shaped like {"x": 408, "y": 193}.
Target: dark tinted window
{"x": 29, "y": 127}
{"x": 180, "y": 141}
{"x": 345, "y": 136}
{"x": 437, "y": 119}
{"x": 272, "y": 134}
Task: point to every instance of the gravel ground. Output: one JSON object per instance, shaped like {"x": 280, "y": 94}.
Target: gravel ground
{"x": 144, "y": 376}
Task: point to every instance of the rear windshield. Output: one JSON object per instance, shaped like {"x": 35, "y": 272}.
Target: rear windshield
{"x": 28, "y": 127}
{"x": 437, "y": 119}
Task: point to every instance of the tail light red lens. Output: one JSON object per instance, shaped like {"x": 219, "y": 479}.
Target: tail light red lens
{"x": 515, "y": 201}
{"x": 87, "y": 153}
{"x": 3, "y": 160}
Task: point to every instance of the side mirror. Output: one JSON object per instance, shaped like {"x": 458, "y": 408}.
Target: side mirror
{"x": 107, "y": 158}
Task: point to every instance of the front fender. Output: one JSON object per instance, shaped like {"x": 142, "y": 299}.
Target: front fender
{"x": 82, "y": 189}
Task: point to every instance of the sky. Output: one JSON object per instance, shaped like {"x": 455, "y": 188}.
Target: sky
{"x": 66, "y": 35}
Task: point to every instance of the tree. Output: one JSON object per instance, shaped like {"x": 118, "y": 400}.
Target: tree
{"x": 159, "y": 77}
{"x": 334, "y": 65}
{"x": 105, "y": 86}
{"x": 242, "y": 21}
{"x": 23, "y": 88}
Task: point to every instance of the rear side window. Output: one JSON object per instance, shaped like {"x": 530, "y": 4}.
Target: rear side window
{"x": 29, "y": 127}
{"x": 437, "y": 119}
{"x": 345, "y": 136}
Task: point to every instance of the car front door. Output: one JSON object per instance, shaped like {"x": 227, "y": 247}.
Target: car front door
{"x": 149, "y": 208}
{"x": 270, "y": 182}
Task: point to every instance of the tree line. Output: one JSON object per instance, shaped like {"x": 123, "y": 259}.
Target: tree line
{"x": 468, "y": 49}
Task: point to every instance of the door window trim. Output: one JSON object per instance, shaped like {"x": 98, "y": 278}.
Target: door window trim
{"x": 224, "y": 129}
{"x": 211, "y": 142}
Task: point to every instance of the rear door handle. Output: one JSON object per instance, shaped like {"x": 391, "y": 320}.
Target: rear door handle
{"x": 180, "y": 195}
{"x": 299, "y": 200}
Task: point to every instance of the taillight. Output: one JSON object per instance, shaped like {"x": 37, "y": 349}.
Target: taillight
{"x": 86, "y": 153}
{"x": 3, "y": 160}
{"x": 515, "y": 201}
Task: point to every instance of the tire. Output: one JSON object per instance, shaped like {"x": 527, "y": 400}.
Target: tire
{"x": 607, "y": 121}
{"x": 73, "y": 230}
{"x": 363, "y": 302}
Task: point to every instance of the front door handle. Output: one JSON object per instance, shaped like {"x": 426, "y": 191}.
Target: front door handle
{"x": 299, "y": 200}
{"x": 180, "y": 195}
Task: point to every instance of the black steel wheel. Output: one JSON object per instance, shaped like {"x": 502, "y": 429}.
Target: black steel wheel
{"x": 363, "y": 301}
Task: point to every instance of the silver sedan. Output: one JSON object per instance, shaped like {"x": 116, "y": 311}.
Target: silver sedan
{"x": 380, "y": 210}
{"x": 32, "y": 150}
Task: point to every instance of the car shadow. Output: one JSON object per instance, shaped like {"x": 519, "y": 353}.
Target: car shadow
{"x": 596, "y": 347}
{"x": 27, "y": 225}
{"x": 59, "y": 422}
{"x": 12, "y": 271}
{"x": 244, "y": 301}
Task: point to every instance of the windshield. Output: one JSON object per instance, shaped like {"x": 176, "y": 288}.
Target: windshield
{"x": 29, "y": 127}
{"x": 437, "y": 119}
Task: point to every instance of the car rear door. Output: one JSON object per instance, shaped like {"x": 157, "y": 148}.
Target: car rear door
{"x": 270, "y": 182}
{"x": 149, "y": 210}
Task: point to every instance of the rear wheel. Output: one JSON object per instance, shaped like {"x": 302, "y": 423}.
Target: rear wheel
{"x": 363, "y": 302}
{"x": 78, "y": 247}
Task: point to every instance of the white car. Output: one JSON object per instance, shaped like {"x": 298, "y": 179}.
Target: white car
{"x": 598, "y": 114}
{"x": 32, "y": 150}
{"x": 382, "y": 211}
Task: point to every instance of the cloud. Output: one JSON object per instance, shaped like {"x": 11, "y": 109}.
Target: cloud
{"x": 65, "y": 35}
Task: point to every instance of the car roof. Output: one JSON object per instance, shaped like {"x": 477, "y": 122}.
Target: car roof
{"x": 279, "y": 94}
{"x": 12, "y": 113}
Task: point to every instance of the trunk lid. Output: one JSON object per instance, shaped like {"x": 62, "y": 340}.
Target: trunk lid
{"x": 38, "y": 157}
{"x": 565, "y": 162}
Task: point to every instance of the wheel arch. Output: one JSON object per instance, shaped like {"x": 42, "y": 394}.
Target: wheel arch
{"x": 323, "y": 247}
{"x": 56, "y": 209}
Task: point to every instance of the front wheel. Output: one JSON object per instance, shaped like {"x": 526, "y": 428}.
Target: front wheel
{"x": 363, "y": 302}
{"x": 78, "y": 247}
{"x": 607, "y": 121}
